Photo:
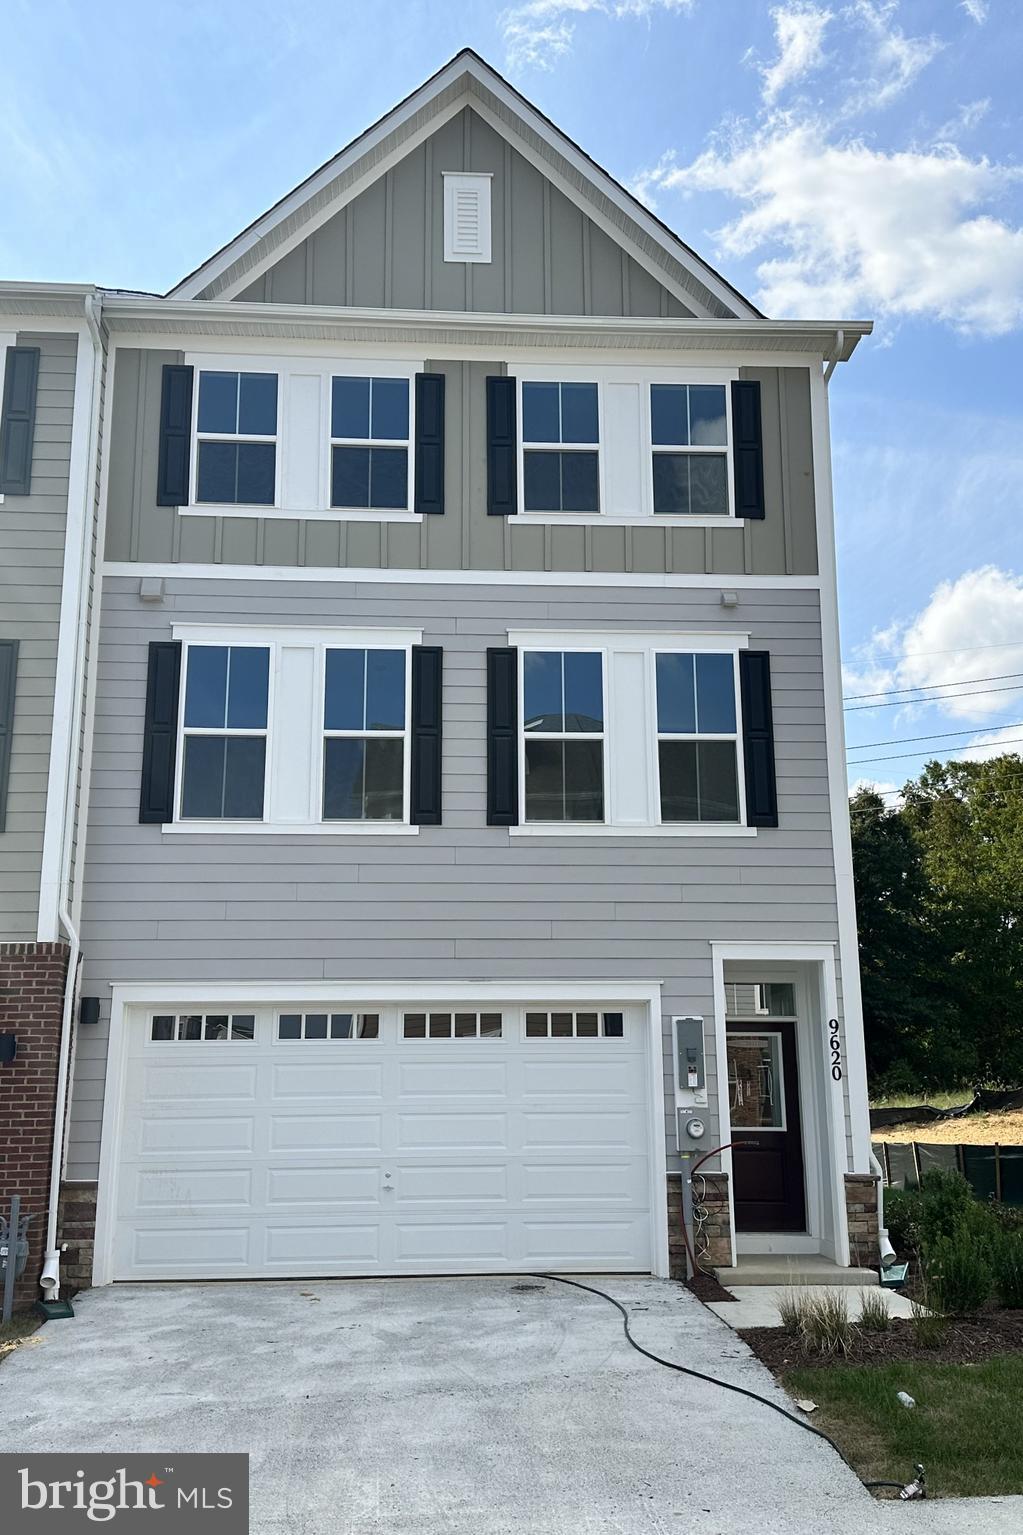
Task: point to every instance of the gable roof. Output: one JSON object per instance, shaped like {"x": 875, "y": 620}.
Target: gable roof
{"x": 467, "y": 80}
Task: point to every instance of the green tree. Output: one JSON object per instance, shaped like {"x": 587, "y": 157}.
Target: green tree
{"x": 939, "y": 889}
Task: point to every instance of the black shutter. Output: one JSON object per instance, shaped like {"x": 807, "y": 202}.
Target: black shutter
{"x": 758, "y": 738}
{"x": 159, "y": 745}
{"x": 17, "y": 423}
{"x": 747, "y": 448}
{"x": 502, "y": 737}
{"x": 175, "y": 435}
{"x": 429, "y": 443}
{"x": 8, "y": 679}
{"x": 427, "y": 704}
{"x": 502, "y": 448}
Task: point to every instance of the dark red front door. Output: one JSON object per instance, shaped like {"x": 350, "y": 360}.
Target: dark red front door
{"x": 767, "y": 1154}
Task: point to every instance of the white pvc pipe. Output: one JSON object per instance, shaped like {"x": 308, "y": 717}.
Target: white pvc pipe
{"x": 49, "y": 1280}
{"x": 887, "y": 1250}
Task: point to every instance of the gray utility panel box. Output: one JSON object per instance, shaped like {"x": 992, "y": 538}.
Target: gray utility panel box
{"x": 689, "y": 1053}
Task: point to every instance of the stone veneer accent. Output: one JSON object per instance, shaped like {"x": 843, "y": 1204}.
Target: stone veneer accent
{"x": 77, "y": 1227}
{"x": 717, "y": 1234}
{"x": 861, "y": 1211}
{"x": 31, "y": 1005}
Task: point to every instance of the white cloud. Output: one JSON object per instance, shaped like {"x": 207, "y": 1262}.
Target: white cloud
{"x": 976, "y": 10}
{"x": 539, "y": 32}
{"x": 799, "y": 31}
{"x": 900, "y": 233}
{"x": 890, "y": 792}
{"x": 971, "y": 630}
{"x": 895, "y": 60}
{"x": 995, "y": 743}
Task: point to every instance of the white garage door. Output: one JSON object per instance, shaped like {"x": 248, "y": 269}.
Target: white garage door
{"x": 275, "y": 1142}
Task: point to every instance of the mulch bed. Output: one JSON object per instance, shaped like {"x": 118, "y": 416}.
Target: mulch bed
{"x": 706, "y": 1288}
{"x": 965, "y": 1342}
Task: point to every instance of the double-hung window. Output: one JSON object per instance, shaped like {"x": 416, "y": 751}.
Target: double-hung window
{"x": 236, "y": 438}
{"x": 697, "y": 736}
{"x": 689, "y": 439}
{"x": 563, "y": 735}
{"x": 369, "y": 443}
{"x": 560, "y": 447}
{"x": 224, "y": 731}
{"x": 365, "y": 725}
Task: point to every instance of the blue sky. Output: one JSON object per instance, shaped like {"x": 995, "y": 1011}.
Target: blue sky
{"x": 833, "y": 159}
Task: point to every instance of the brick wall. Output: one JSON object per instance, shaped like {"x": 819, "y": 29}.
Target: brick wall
{"x": 31, "y": 1003}
{"x": 714, "y": 1248}
{"x": 861, "y": 1209}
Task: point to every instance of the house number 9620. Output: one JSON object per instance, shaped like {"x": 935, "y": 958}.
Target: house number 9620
{"x": 835, "y": 1043}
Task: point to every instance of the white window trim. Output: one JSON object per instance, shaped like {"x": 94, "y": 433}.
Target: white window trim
{"x": 404, "y": 735}
{"x": 275, "y": 640}
{"x": 735, "y": 737}
{"x": 232, "y": 508}
{"x": 651, "y": 643}
{"x": 603, "y": 374}
{"x": 560, "y": 376}
{"x": 354, "y": 513}
{"x": 652, "y": 449}
{"x": 580, "y": 649}
{"x": 224, "y": 731}
{"x": 286, "y": 366}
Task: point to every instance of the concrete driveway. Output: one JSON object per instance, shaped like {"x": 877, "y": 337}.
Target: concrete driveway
{"x": 482, "y": 1406}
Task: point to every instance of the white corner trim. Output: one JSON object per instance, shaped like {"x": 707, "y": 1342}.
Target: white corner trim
{"x": 838, "y": 789}
{"x": 68, "y": 678}
{"x": 357, "y": 575}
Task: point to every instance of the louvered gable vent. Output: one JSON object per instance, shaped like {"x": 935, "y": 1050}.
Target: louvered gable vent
{"x": 466, "y": 217}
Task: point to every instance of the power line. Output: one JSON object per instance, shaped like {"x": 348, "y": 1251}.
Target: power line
{"x": 929, "y": 687}
{"x": 885, "y": 793}
{"x": 861, "y": 746}
{"x": 906, "y": 703}
{"x": 896, "y": 756}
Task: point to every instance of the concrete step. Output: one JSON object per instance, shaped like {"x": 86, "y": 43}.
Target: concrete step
{"x": 792, "y": 1269}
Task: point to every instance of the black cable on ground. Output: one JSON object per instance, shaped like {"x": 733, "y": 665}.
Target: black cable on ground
{"x": 713, "y": 1380}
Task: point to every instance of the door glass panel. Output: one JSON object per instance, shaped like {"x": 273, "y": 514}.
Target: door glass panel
{"x": 755, "y": 1086}
{"x": 760, "y": 999}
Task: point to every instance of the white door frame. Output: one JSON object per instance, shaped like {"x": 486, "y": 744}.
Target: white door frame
{"x": 170, "y": 995}
{"x": 823, "y": 1114}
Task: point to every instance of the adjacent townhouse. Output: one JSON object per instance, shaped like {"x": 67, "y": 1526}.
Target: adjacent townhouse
{"x": 458, "y": 709}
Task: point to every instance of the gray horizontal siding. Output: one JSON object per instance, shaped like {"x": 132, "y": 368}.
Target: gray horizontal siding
{"x": 464, "y": 538}
{"x": 458, "y": 901}
{"x": 31, "y": 572}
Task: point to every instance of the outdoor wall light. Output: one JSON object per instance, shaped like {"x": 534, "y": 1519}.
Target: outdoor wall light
{"x": 8, "y": 1048}
{"x": 88, "y": 1010}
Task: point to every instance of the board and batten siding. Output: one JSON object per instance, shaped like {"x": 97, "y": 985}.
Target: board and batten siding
{"x": 31, "y": 570}
{"x": 385, "y": 248}
{"x": 464, "y": 538}
{"x": 459, "y": 901}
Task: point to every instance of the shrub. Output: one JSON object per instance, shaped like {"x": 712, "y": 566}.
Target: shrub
{"x": 929, "y": 1327}
{"x": 958, "y": 1273}
{"x": 947, "y": 1209}
{"x": 902, "y": 1218}
{"x": 1006, "y": 1254}
{"x": 791, "y": 1309}
{"x": 874, "y": 1313}
{"x": 826, "y": 1325}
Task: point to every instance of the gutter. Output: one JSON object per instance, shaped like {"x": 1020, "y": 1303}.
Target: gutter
{"x": 49, "y": 1279}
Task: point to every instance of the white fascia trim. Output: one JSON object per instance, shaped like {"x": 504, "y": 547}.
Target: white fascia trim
{"x": 191, "y": 993}
{"x": 295, "y": 634}
{"x": 357, "y": 575}
{"x": 838, "y": 784}
{"x": 661, "y": 638}
{"x": 817, "y": 952}
{"x": 58, "y": 829}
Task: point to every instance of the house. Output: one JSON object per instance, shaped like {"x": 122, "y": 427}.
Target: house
{"x": 463, "y": 846}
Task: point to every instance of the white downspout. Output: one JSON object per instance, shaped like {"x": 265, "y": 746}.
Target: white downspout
{"x": 49, "y": 1279}
{"x": 886, "y": 1249}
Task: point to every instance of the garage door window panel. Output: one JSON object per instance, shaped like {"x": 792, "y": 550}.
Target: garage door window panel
{"x": 328, "y": 1026}
{"x": 224, "y": 736}
{"x": 452, "y": 1026}
{"x": 201, "y": 1028}
{"x": 575, "y": 1025}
